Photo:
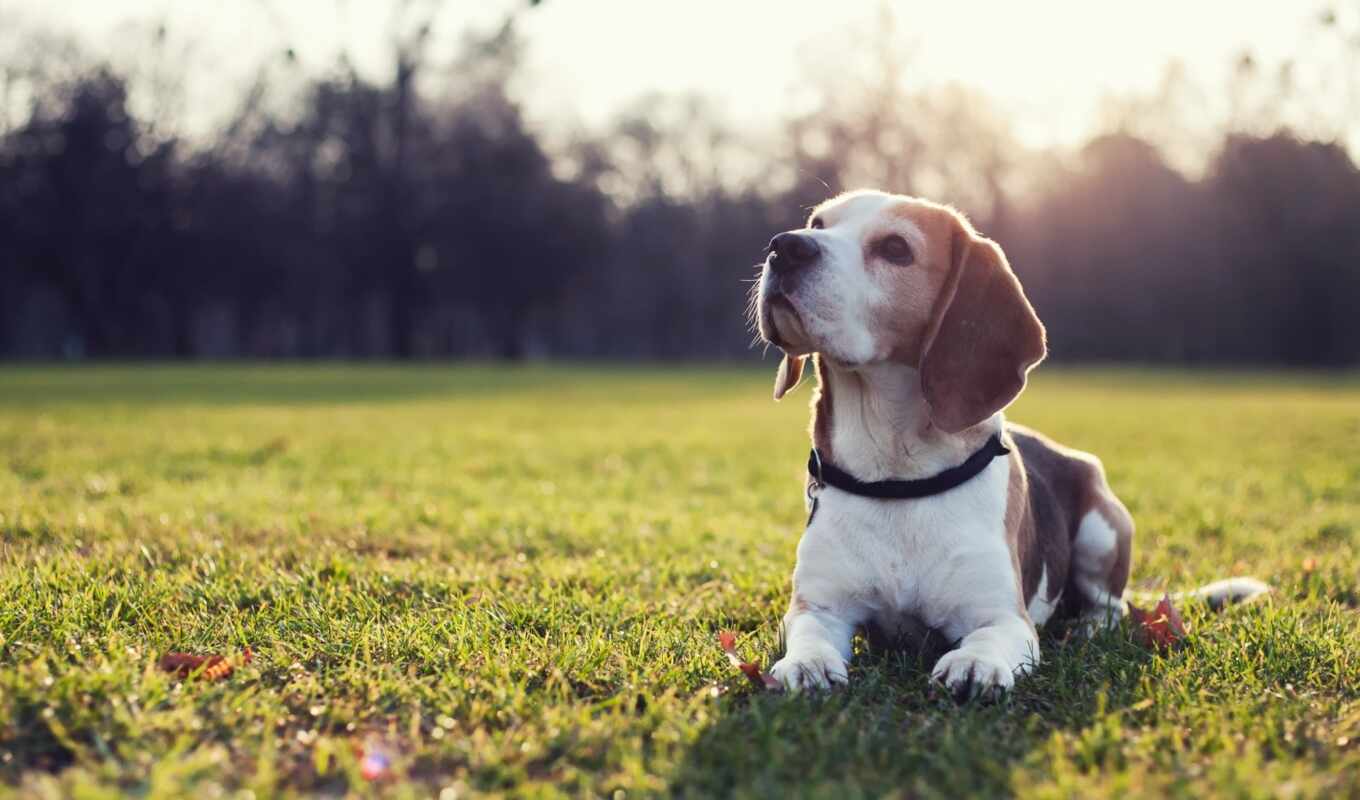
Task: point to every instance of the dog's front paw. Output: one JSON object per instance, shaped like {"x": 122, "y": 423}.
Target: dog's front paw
{"x": 811, "y": 668}
{"x": 969, "y": 673}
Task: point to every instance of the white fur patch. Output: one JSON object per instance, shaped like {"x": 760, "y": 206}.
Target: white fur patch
{"x": 943, "y": 560}
{"x": 1095, "y": 537}
{"x": 1092, "y": 555}
{"x": 1040, "y": 606}
{"x": 837, "y": 300}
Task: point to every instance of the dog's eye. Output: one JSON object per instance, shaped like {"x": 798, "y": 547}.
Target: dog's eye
{"x": 816, "y": 224}
{"x": 895, "y": 249}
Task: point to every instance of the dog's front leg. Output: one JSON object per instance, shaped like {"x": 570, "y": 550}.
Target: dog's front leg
{"x": 990, "y": 658}
{"x": 816, "y": 649}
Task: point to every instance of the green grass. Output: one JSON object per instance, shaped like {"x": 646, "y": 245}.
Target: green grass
{"x": 513, "y": 578}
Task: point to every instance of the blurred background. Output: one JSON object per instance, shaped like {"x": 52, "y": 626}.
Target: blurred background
{"x": 1174, "y": 183}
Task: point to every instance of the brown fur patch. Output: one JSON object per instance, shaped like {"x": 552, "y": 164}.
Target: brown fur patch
{"x": 915, "y": 288}
{"x": 1053, "y": 495}
{"x": 1061, "y": 487}
{"x": 1020, "y": 533}
{"x": 984, "y": 337}
{"x": 788, "y": 375}
{"x": 822, "y": 410}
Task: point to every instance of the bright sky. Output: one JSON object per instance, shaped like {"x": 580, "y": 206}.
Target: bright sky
{"x": 1048, "y": 63}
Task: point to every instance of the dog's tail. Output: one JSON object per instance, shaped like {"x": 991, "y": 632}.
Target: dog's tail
{"x": 1217, "y": 595}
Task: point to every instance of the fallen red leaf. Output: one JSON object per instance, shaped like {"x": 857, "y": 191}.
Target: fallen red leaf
{"x": 763, "y": 680}
{"x": 375, "y": 761}
{"x": 213, "y": 667}
{"x": 1160, "y": 629}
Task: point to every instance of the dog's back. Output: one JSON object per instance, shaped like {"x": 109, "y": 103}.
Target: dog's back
{"x": 1066, "y": 492}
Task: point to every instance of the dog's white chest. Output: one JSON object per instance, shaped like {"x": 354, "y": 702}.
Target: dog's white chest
{"x": 934, "y": 563}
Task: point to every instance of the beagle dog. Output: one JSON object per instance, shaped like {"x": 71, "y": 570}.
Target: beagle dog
{"x": 933, "y": 520}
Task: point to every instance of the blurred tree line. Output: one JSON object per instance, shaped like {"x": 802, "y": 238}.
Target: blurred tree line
{"x": 376, "y": 219}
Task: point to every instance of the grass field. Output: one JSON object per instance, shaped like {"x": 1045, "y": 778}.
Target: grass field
{"x": 511, "y": 579}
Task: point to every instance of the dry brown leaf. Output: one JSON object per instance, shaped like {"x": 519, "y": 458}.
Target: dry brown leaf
{"x": 1160, "y": 629}
{"x": 211, "y": 668}
{"x": 763, "y": 680}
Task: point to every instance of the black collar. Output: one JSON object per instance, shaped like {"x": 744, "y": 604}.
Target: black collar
{"x": 825, "y": 473}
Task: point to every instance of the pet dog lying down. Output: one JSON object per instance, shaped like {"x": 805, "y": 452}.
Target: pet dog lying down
{"x": 930, "y": 514}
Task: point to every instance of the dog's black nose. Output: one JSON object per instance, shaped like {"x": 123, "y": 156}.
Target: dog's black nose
{"x": 793, "y": 250}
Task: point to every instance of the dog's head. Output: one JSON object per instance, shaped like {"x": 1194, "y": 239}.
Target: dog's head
{"x": 879, "y": 278}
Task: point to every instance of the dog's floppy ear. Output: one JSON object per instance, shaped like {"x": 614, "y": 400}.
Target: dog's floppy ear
{"x": 789, "y": 374}
{"x": 983, "y": 337}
